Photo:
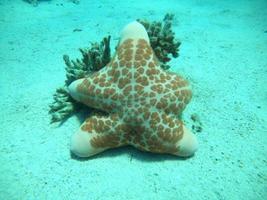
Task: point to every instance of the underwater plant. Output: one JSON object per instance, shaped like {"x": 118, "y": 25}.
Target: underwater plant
{"x": 163, "y": 43}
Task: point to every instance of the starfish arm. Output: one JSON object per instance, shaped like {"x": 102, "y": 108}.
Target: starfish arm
{"x": 100, "y": 95}
{"x": 164, "y": 134}
{"x": 98, "y": 133}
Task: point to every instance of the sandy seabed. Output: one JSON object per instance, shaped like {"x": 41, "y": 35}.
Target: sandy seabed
{"x": 224, "y": 56}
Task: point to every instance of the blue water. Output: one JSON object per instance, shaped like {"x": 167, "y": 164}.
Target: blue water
{"x": 223, "y": 54}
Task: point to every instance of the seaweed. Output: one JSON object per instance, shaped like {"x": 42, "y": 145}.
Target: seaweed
{"x": 162, "y": 39}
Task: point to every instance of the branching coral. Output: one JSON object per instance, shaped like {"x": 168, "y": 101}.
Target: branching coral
{"x": 62, "y": 106}
{"x": 162, "y": 39}
{"x": 93, "y": 59}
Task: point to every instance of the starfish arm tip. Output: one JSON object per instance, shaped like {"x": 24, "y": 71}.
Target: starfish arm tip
{"x": 72, "y": 88}
{"x": 188, "y": 145}
{"x": 134, "y": 30}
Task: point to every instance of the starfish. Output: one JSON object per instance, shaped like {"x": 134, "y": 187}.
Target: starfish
{"x": 143, "y": 102}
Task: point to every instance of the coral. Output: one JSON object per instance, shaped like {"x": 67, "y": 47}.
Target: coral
{"x": 142, "y": 102}
{"x": 94, "y": 58}
{"x": 63, "y": 105}
{"x": 162, "y": 39}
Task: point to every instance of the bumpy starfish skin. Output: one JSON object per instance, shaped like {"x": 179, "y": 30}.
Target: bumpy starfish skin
{"x": 143, "y": 102}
